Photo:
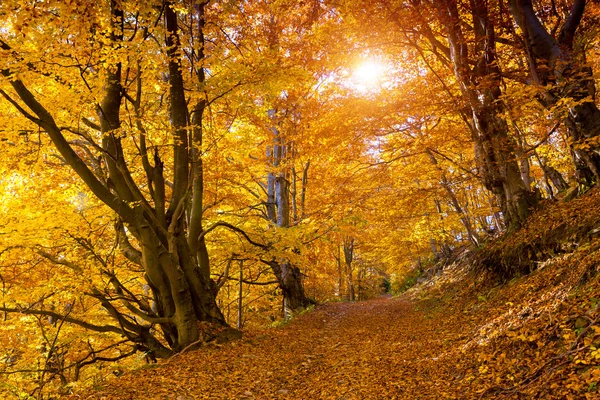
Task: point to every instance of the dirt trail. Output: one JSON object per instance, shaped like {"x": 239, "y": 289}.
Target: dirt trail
{"x": 385, "y": 348}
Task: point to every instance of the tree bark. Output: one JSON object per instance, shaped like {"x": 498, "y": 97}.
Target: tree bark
{"x": 288, "y": 275}
{"x": 240, "y": 297}
{"x": 555, "y": 66}
{"x": 553, "y": 175}
{"x": 348, "y": 245}
{"x": 480, "y": 88}
{"x": 167, "y": 244}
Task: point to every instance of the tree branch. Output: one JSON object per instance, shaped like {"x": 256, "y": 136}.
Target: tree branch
{"x": 46, "y": 122}
{"x": 71, "y": 320}
{"x": 567, "y": 32}
{"x": 130, "y": 252}
{"x": 235, "y": 229}
{"x": 91, "y": 124}
{"x": 74, "y": 267}
{"x": 19, "y": 108}
{"x": 253, "y": 282}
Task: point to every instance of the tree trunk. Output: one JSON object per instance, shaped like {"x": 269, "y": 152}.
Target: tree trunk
{"x": 290, "y": 282}
{"x": 167, "y": 244}
{"x": 288, "y": 276}
{"x": 304, "y": 187}
{"x": 523, "y": 157}
{"x": 340, "y": 272}
{"x": 348, "y": 257}
{"x": 240, "y": 296}
{"x": 553, "y": 175}
{"x": 479, "y": 81}
{"x": 554, "y": 64}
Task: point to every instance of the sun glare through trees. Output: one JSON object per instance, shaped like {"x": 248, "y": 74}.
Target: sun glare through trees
{"x": 368, "y": 75}
{"x": 177, "y": 174}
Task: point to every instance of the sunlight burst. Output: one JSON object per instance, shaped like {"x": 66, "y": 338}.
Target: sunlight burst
{"x": 368, "y": 75}
{"x": 369, "y": 72}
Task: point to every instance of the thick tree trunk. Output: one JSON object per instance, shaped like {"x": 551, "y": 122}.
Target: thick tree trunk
{"x": 523, "y": 157}
{"x": 184, "y": 260}
{"x": 553, "y": 175}
{"x": 480, "y": 87}
{"x": 290, "y": 282}
{"x": 553, "y": 64}
{"x": 164, "y": 239}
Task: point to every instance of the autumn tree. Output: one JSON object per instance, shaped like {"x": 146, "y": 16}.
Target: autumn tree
{"x": 147, "y": 172}
{"x": 282, "y": 211}
{"x": 478, "y": 76}
{"x": 283, "y": 37}
{"x": 450, "y": 38}
{"x": 558, "y": 67}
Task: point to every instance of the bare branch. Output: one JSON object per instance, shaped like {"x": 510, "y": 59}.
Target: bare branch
{"x": 76, "y": 268}
{"x": 235, "y": 229}
{"x": 91, "y": 124}
{"x": 71, "y": 320}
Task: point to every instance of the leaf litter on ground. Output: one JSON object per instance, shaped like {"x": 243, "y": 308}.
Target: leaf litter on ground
{"x": 458, "y": 335}
{"x": 438, "y": 341}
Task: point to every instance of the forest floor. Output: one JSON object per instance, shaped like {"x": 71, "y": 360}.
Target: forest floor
{"x": 450, "y": 338}
{"x": 460, "y": 334}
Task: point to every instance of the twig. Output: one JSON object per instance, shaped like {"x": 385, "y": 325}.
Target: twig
{"x": 186, "y": 348}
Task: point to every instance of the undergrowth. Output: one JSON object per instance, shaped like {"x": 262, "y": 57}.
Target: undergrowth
{"x": 559, "y": 227}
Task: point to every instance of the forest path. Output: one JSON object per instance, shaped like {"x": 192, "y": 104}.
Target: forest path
{"x": 386, "y": 348}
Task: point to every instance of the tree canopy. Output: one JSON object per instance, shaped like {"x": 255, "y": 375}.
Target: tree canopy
{"x": 173, "y": 170}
